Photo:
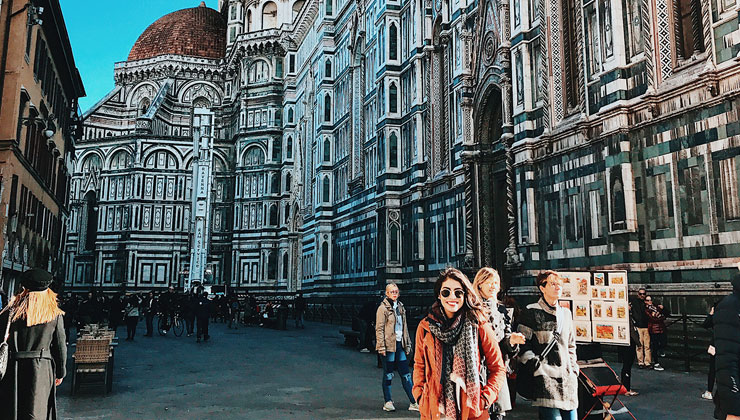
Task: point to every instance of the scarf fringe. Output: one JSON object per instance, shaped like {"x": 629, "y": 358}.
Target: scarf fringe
{"x": 35, "y": 307}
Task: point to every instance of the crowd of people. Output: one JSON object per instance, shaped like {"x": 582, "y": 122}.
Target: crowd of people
{"x": 464, "y": 347}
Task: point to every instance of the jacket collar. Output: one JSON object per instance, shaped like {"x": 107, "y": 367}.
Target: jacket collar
{"x": 546, "y": 306}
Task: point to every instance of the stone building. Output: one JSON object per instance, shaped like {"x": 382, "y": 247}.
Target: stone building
{"x": 361, "y": 142}
{"x": 39, "y": 124}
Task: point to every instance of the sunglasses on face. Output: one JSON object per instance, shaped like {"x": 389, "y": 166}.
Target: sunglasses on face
{"x": 447, "y": 292}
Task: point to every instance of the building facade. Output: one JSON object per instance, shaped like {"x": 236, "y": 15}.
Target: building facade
{"x": 39, "y": 124}
{"x": 362, "y": 142}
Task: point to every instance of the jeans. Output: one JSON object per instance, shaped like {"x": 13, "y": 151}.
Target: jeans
{"x": 658, "y": 343}
{"x": 299, "y": 319}
{"x": 149, "y": 323}
{"x": 202, "y": 328}
{"x": 131, "y": 322}
{"x": 628, "y": 355}
{"x": 396, "y": 361}
{"x": 547, "y": 413}
{"x": 190, "y": 323}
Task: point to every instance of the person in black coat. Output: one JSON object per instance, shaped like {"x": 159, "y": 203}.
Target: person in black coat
{"x": 202, "y": 312}
{"x": 37, "y": 350}
{"x": 727, "y": 354}
{"x": 191, "y": 302}
{"x": 149, "y": 307}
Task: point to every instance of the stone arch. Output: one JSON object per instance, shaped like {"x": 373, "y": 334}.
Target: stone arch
{"x": 85, "y": 159}
{"x": 269, "y": 15}
{"x": 167, "y": 159}
{"x": 143, "y": 90}
{"x": 245, "y": 155}
{"x": 115, "y": 154}
{"x": 198, "y": 88}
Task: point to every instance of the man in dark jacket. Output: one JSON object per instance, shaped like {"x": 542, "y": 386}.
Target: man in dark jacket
{"x": 644, "y": 356}
{"x": 727, "y": 344}
{"x": 149, "y": 306}
{"x": 202, "y": 313}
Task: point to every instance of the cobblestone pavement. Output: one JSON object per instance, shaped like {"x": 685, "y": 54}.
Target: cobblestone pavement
{"x": 257, "y": 373}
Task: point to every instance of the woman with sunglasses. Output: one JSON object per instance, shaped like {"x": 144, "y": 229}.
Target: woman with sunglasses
{"x": 487, "y": 284}
{"x": 452, "y": 342}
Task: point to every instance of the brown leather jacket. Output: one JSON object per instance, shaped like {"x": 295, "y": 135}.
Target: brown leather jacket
{"x": 385, "y": 328}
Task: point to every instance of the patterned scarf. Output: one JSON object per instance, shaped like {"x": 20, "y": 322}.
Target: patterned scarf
{"x": 460, "y": 360}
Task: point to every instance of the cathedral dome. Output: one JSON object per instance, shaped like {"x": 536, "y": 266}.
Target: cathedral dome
{"x": 196, "y": 32}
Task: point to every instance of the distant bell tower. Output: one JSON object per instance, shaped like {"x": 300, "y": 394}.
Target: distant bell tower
{"x": 202, "y": 180}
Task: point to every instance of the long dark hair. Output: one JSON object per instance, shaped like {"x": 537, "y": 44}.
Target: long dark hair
{"x": 472, "y": 306}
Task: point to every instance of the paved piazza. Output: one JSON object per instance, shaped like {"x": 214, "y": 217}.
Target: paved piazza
{"x": 258, "y": 373}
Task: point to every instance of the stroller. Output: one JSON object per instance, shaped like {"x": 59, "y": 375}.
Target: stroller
{"x": 599, "y": 389}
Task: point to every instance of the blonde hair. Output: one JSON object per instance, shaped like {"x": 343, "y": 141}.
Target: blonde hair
{"x": 483, "y": 276}
{"x": 35, "y": 307}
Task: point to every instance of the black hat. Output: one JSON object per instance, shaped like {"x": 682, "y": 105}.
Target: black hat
{"x": 36, "y": 280}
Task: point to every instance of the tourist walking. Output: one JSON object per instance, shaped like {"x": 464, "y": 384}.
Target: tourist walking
{"x": 628, "y": 354}
{"x": 709, "y": 324}
{"x": 132, "y": 316}
{"x": 656, "y": 326}
{"x": 452, "y": 343}
{"x": 202, "y": 314}
{"x": 115, "y": 312}
{"x": 644, "y": 356}
{"x": 393, "y": 343}
{"x": 191, "y": 303}
{"x": 487, "y": 284}
{"x": 555, "y": 376}
{"x": 34, "y": 329}
{"x": 300, "y": 309}
{"x": 727, "y": 343}
{"x": 150, "y": 309}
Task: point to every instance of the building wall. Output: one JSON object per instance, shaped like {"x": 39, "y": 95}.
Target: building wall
{"x": 40, "y": 87}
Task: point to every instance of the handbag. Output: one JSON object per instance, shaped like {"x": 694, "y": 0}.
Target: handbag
{"x": 525, "y": 374}
{"x": 4, "y": 348}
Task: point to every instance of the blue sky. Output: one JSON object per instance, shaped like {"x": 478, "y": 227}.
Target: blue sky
{"x": 102, "y": 33}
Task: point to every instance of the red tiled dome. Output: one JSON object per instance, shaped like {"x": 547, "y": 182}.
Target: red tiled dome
{"x": 196, "y": 32}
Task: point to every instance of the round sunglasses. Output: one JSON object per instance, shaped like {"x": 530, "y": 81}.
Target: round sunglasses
{"x": 447, "y": 292}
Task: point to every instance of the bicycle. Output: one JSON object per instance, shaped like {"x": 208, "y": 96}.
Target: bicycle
{"x": 174, "y": 323}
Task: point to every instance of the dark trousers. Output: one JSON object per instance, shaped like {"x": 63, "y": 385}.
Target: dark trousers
{"x": 149, "y": 324}
{"x": 190, "y": 323}
{"x": 114, "y": 323}
{"x": 627, "y": 354}
{"x": 232, "y": 319}
{"x": 658, "y": 343}
{"x": 202, "y": 324}
{"x": 131, "y": 322}
{"x": 712, "y": 373}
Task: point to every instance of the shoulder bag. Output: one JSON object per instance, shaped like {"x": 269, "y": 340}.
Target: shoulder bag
{"x": 525, "y": 375}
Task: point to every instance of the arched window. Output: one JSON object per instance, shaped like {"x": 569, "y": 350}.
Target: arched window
{"x": 275, "y": 189}
{"x": 249, "y": 20}
{"x": 290, "y": 115}
{"x": 259, "y": 72}
{"x": 91, "y": 221}
{"x": 143, "y": 106}
{"x": 393, "y": 42}
{"x": 91, "y": 163}
{"x": 393, "y": 98}
{"x": 327, "y": 150}
{"x": 286, "y": 213}
{"x": 289, "y": 148}
{"x": 277, "y": 149}
{"x": 273, "y": 215}
{"x": 327, "y": 69}
{"x": 272, "y": 265}
{"x": 328, "y": 7}
{"x": 394, "y": 241}
{"x": 297, "y": 6}
{"x": 120, "y": 160}
{"x": 269, "y": 15}
{"x": 327, "y": 108}
{"x": 288, "y": 182}
{"x": 254, "y": 157}
{"x": 285, "y": 266}
{"x": 325, "y": 188}
{"x": 393, "y": 151}
{"x": 325, "y": 256}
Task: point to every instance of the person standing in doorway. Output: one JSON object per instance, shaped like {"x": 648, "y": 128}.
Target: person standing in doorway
{"x": 639, "y": 315}
{"x": 393, "y": 344}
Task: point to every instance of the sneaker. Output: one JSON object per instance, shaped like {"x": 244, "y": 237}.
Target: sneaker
{"x": 631, "y": 393}
{"x": 389, "y": 406}
{"x": 365, "y": 350}
{"x": 707, "y": 395}
{"x": 658, "y": 367}
{"x": 414, "y": 407}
